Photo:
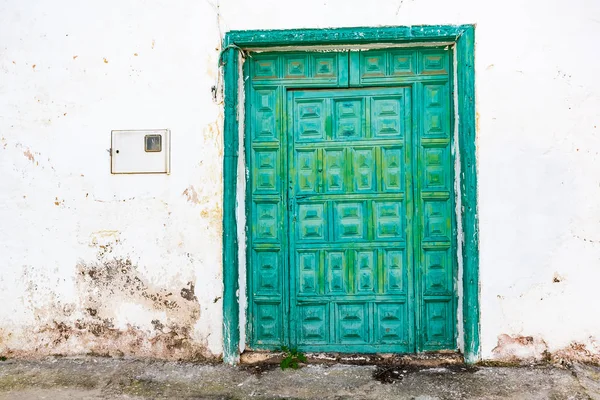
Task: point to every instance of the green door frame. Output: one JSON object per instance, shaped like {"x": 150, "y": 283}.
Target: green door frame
{"x": 464, "y": 38}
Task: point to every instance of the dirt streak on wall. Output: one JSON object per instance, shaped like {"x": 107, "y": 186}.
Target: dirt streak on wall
{"x": 89, "y": 325}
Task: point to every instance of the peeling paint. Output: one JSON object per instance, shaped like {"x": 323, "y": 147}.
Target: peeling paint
{"x": 579, "y": 352}
{"x": 520, "y": 348}
{"x": 90, "y": 325}
{"x": 526, "y": 349}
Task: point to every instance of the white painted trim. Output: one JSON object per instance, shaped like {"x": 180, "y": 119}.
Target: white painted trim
{"x": 241, "y": 207}
{"x": 460, "y": 332}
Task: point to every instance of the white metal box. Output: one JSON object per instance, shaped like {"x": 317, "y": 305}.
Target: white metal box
{"x": 141, "y": 151}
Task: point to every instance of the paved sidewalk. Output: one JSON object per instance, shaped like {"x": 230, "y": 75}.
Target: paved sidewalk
{"x": 104, "y": 378}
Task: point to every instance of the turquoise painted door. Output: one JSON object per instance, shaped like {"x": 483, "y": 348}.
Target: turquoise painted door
{"x": 352, "y": 212}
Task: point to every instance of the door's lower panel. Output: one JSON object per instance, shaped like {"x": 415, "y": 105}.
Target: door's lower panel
{"x": 352, "y": 326}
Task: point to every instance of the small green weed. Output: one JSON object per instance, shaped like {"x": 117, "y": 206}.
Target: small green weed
{"x": 2, "y": 358}
{"x": 291, "y": 358}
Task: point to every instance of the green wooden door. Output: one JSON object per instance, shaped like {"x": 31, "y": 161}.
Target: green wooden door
{"x": 350, "y": 220}
{"x": 352, "y": 217}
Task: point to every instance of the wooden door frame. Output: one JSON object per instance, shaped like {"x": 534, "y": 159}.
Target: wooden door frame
{"x": 234, "y": 45}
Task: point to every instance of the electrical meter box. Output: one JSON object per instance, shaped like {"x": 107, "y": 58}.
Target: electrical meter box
{"x": 141, "y": 151}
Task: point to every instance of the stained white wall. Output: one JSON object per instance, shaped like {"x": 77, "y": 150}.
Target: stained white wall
{"x": 71, "y": 71}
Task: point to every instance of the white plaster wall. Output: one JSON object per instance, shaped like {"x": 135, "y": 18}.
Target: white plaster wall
{"x": 70, "y": 72}
{"x": 538, "y": 101}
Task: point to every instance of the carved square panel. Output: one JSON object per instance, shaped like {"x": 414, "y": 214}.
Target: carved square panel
{"x": 391, "y": 323}
{"x": 372, "y": 64}
{"x": 266, "y": 171}
{"x": 296, "y": 66}
{"x": 387, "y": 117}
{"x": 335, "y": 170}
{"x": 403, "y": 62}
{"x": 311, "y": 120}
{"x": 435, "y": 95}
{"x": 437, "y": 168}
{"x": 435, "y": 124}
{"x": 389, "y": 220}
{"x": 306, "y": 170}
{"x": 438, "y": 272}
{"x": 436, "y": 116}
{"x": 335, "y": 268}
{"x": 349, "y": 221}
{"x": 266, "y": 68}
{"x": 394, "y": 270}
{"x": 265, "y": 126}
{"x": 348, "y": 119}
{"x": 366, "y": 271}
{"x": 312, "y": 222}
{"x": 325, "y": 66}
{"x": 351, "y": 321}
{"x": 437, "y": 220}
{"x": 267, "y": 282}
{"x": 434, "y": 62}
{"x": 268, "y": 323}
{"x": 308, "y": 269}
{"x": 314, "y": 323}
{"x": 392, "y": 164}
{"x": 266, "y": 225}
{"x": 439, "y": 323}
{"x": 364, "y": 169}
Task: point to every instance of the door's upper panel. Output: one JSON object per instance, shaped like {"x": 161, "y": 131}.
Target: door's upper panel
{"x": 299, "y": 68}
{"x": 380, "y": 67}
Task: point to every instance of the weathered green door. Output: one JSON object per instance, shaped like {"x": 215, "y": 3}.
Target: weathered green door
{"x": 362, "y": 258}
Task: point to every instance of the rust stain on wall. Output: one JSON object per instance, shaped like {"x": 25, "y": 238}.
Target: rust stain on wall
{"x": 29, "y": 155}
{"x": 191, "y": 195}
{"x": 214, "y": 215}
{"x": 210, "y": 207}
{"x": 212, "y": 136}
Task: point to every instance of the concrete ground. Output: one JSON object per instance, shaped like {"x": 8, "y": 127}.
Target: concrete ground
{"x": 105, "y": 378}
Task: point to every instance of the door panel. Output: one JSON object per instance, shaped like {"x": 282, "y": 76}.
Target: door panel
{"x": 434, "y": 206}
{"x": 351, "y": 247}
